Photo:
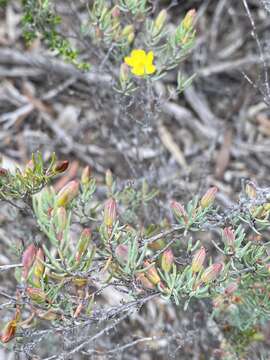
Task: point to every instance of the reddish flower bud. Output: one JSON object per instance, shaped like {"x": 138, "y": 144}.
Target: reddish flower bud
{"x": 3, "y": 171}
{"x": 110, "y": 212}
{"x": 28, "y": 258}
{"x": 231, "y": 288}
{"x": 144, "y": 281}
{"x": 83, "y": 243}
{"x": 229, "y": 236}
{"x": 208, "y": 197}
{"x": 37, "y": 295}
{"x": 60, "y": 166}
{"x": 115, "y": 12}
{"x": 67, "y": 193}
{"x": 151, "y": 273}
{"x": 9, "y": 331}
{"x": 212, "y": 272}
{"x": 167, "y": 260}
{"x": 179, "y": 211}
{"x": 198, "y": 260}
{"x": 86, "y": 175}
{"x": 121, "y": 252}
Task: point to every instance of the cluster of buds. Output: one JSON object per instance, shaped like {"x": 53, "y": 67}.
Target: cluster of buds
{"x": 179, "y": 211}
{"x": 67, "y": 194}
{"x": 208, "y": 198}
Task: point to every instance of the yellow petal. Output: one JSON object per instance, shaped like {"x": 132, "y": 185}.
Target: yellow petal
{"x": 138, "y": 70}
{"x": 150, "y": 69}
{"x": 149, "y": 58}
{"x": 138, "y": 54}
{"x": 129, "y": 60}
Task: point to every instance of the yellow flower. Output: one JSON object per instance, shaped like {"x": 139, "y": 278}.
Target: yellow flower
{"x": 140, "y": 62}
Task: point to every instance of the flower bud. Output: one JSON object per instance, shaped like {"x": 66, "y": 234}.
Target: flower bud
{"x": 9, "y": 331}
{"x": 128, "y": 29}
{"x": 115, "y": 12}
{"x": 86, "y": 174}
{"x": 38, "y": 268}
{"x": 231, "y": 288}
{"x": 198, "y": 260}
{"x": 251, "y": 191}
{"x": 229, "y": 236}
{"x": 37, "y": 295}
{"x": 188, "y": 20}
{"x": 61, "y": 218}
{"x": 83, "y": 243}
{"x": 151, "y": 273}
{"x": 130, "y": 37}
{"x": 209, "y": 197}
{"x": 121, "y": 252}
{"x": 60, "y": 166}
{"x": 110, "y": 212}
{"x": 79, "y": 282}
{"x": 157, "y": 245}
{"x": 160, "y": 20}
{"x": 67, "y": 193}
{"x": 212, "y": 272}
{"x": 108, "y": 176}
{"x": 123, "y": 76}
{"x": 29, "y": 166}
{"x": 3, "y": 172}
{"x": 167, "y": 260}
{"x": 218, "y": 301}
{"x": 28, "y": 258}
{"x": 144, "y": 281}
{"x": 179, "y": 211}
